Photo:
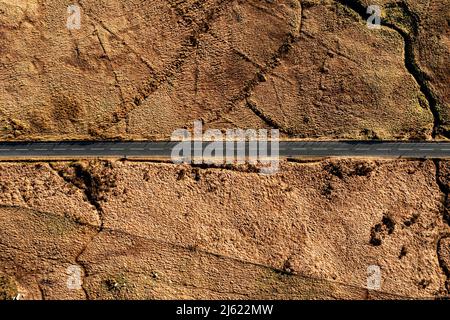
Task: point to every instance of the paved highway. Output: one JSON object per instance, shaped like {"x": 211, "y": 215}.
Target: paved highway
{"x": 287, "y": 149}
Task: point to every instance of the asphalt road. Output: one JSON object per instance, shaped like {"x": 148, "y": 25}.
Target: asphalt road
{"x": 287, "y": 149}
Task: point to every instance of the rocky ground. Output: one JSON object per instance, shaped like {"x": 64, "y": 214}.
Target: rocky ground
{"x": 147, "y": 230}
{"x": 142, "y": 69}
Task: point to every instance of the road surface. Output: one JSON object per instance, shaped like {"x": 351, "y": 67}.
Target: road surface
{"x": 287, "y": 149}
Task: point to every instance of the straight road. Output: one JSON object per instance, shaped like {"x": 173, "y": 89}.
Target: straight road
{"x": 287, "y": 149}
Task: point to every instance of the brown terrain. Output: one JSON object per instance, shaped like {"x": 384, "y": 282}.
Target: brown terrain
{"x": 141, "y": 70}
{"x": 154, "y": 230}
{"x": 147, "y": 230}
